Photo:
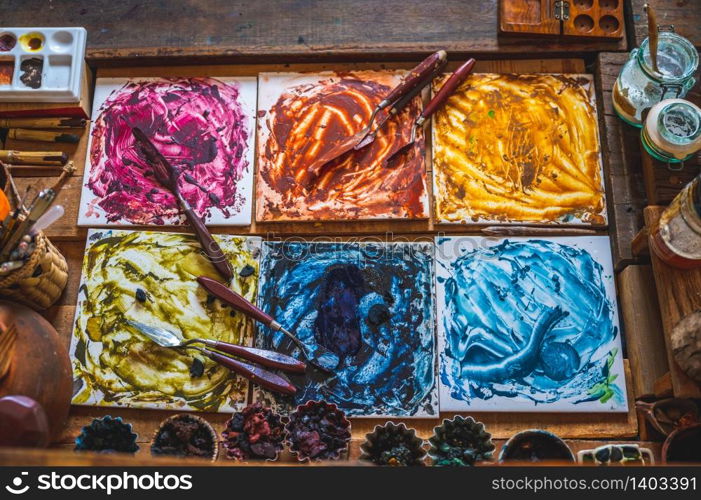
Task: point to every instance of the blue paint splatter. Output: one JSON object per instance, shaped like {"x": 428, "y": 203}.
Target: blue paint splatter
{"x": 372, "y": 305}
{"x": 528, "y": 320}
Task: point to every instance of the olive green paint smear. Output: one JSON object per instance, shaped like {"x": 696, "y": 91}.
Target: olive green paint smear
{"x": 150, "y": 277}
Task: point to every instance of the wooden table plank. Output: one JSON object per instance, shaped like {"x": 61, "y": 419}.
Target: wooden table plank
{"x": 642, "y": 328}
{"x": 685, "y": 15}
{"x": 62, "y": 455}
{"x": 286, "y": 30}
{"x": 679, "y": 294}
{"x": 625, "y": 191}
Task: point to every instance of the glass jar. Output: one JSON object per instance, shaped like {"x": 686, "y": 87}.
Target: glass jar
{"x": 677, "y": 238}
{"x": 639, "y": 87}
{"x": 672, "y": 131}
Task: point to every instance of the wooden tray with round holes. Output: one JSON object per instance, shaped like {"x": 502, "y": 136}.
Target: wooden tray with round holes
{"x": 565, "y": 18}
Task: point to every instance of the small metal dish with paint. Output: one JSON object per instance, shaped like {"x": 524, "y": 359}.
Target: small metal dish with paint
{"x": 460, "y": 441}
{"x": 107, "y": 435}
{"x": 393, "y": 445}
{"x": 255, "y": 433}
{"x": 187, "y": 436}
{"x": 535, "y": 445}
{"x": 318, "y": 430}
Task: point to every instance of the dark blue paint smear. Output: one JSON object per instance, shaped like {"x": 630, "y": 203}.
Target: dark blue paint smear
{"x": 497, "y": 344}
{"x": 372, "y": 305}
{"x": 337, "y": 325}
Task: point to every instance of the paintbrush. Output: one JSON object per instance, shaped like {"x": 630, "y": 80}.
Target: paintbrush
{"x": 39, "y": 206}
{"x": 34, "y": 157}
{"x": 167, "y": 175}
{"x": 653, "y": 36}
{"x": 23, "y": 134}
{"x": 534, "y": 231}
{"x": 42, "y": 122}
{"x": 415, "y": 76}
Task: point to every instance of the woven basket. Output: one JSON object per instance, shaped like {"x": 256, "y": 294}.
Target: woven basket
{"x": 41, "y": 280}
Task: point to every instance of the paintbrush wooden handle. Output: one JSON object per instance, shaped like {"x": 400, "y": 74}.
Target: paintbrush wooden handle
{"x": 235, "y": 300}
{"x": 23, "y": 134}
{"x": 34, "y": 157}
{"x": 270, "y": 359}
{"x": 415, "y": 76}
{"x": 254, "y": 373}
{"x": 653, "y": 35}
{"x": 42, "y": 122}
{"x": 209, "y": 245}
{"x": 458, "y": 76}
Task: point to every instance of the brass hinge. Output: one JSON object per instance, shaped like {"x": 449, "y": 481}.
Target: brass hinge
{"x": 562, "y": 10}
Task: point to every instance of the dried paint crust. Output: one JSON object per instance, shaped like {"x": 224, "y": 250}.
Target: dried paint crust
{"x": 114, "y": 364}
{"x": 518, "y": 148}
{"x": 307, "y": 121}
{"x": 198, "y": 124}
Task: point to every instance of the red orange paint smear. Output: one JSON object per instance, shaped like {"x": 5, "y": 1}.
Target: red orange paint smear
{"x": 306, "y": 122}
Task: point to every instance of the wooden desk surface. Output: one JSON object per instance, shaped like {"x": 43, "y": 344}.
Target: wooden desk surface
{"x": 273, "y": 30}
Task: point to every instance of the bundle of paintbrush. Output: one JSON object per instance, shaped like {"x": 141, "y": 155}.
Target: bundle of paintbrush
{"x": 47, "y": 131}
{"x": 21, "y": 226}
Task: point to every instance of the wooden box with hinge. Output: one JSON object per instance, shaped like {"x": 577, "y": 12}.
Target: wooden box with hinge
{"x": 565, "y": 18}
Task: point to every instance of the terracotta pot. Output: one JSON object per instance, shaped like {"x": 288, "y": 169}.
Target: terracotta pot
{"x": 683, "y": 445}
{"x": 40, "y": 367}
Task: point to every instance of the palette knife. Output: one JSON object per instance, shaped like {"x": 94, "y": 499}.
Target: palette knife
{"x": 167, "y": 175}
{"x": 264, "y": 378}
{"x": 415, "y": 76}
{"x": 458, "y": 77}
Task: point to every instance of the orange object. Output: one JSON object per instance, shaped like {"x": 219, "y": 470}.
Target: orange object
{"x": 4, "y": 205}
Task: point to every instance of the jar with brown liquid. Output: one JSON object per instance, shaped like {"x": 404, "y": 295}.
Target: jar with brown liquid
{"x": 677, "y": 238}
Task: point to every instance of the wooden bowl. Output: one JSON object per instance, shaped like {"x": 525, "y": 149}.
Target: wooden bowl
{"x": 40, "y": 366}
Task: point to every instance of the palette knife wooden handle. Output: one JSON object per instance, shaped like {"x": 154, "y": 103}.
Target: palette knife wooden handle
{"x": 415, "y": 76}
{"x": 262, "y": 377}
{"x": 458, "y": 76}
{"x": 270, "y": 359}
{"x": 209, "y": 244}
{"x": 235, "y": 300}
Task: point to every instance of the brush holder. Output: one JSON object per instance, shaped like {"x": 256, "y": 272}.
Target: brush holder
{"x": 40, "y": 281}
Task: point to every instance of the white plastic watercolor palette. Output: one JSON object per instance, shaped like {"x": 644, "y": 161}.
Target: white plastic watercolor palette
{"x": 41, "y": 64}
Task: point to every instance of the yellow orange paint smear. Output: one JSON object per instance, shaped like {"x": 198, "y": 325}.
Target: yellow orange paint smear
{"x": 521, "y": 148}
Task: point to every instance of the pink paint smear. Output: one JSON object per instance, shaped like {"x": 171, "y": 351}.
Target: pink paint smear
{"x": 196, "y": 123}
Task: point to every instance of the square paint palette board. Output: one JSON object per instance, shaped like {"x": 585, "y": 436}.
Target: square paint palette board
{"x": 528, "y": 324}
{"x": 41, "y": 64}
{"x": 149, "y": 277}
{"x": 204, "y": 126}
{"x": 519, "y": 149}
{"x": 301, "y": 116}
{"x": 372, "y": 305}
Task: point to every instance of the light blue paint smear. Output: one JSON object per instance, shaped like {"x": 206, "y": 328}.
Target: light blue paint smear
{"x": 372, "y": 305}
{"x": 528, "y": 320}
